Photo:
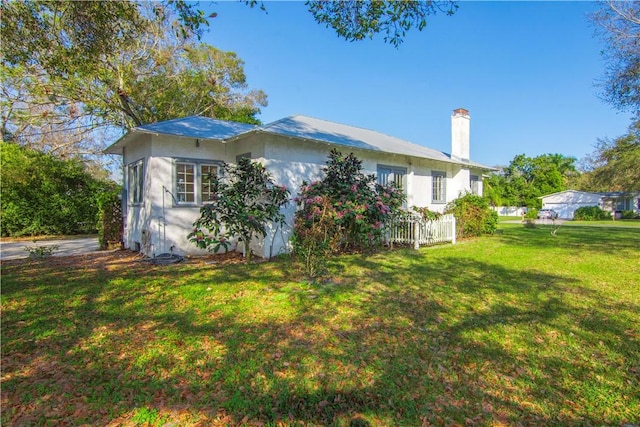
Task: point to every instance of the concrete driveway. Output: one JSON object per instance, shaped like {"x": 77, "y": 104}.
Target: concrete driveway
{"x": 16, "y": 249}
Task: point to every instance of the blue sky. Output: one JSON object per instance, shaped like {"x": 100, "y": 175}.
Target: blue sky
{"x": 526, "y": 71}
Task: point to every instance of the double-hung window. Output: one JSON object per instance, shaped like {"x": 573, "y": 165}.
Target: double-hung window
{"x": 185, "y": 182}
{"x": 391, "y": 174}
{"x": 206, "y": 186}
{"x": 438, "y": 187}
{"x": 474, "y": 184}
{"x": 136, "y": 182}
{"x": 192, "y": 182}
{"x": 388, "y": 175}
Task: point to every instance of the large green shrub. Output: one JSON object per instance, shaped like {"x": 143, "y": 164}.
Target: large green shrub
{"x": 42, "y": 194}
{"x": 110, "y": 225}
{"x": 532, "y": 213}
{"x": 359, "y": 206}
{"x": 591, "y": 213}
{"x": 629, "y": 214}
{"x": 473, "y": 215}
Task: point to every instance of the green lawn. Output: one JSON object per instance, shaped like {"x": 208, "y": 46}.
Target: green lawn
{"x": 521, "y": 327}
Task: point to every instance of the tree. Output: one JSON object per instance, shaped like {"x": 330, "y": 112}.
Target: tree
{"x": 526, "y": 179}
{"x": 494, "y": 187}
{"x": 614, "y": 166}
{"x": 75, "y": 82}
{"x": 68, "y": 38}
{"x": 246, "y": 201}
{"x": 356, "y": 20}
{"x": 618, "y": 23}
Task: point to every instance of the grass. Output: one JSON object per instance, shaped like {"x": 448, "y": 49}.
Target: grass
{"x": 521, "y": 327}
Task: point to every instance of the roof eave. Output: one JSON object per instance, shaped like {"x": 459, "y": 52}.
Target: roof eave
{"x": 319, "y": 141}
{"x": 117, "y": 146}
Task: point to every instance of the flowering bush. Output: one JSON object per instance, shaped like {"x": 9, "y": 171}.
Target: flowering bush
{"x": 245, "y": 201}
{"x": 346, "y": 210}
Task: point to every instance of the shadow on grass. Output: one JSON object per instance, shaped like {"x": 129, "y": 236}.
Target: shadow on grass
{"x": 393, "y": 339}
{"x": 582, "y": 238}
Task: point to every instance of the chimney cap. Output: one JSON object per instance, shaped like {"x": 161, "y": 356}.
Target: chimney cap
{"x": 460, "y": 112}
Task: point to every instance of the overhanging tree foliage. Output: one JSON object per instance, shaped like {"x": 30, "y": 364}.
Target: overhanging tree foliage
{"x": 68, "y": 37}
{"x": 112, "y": 64}
{"x": 357, "y": 20}
{"x": 615, "y": 165}
{"x": 618, "y": 22}
{"x": 246, "y": 202}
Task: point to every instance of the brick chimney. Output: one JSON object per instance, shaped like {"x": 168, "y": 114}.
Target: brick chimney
{"x": 460, "y": 134}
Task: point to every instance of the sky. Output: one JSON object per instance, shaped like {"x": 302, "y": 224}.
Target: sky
{"x": 526, "y": 71}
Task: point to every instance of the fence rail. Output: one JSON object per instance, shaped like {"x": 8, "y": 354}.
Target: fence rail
{"x": 414, "y": 230}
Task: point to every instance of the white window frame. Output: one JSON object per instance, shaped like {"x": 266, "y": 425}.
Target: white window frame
{"x": 474, "y": 184}
{"x": 398, "y": 176}
{"x": 198, "y": 183}
{"x": 136, "y": 182}
{"x": 204, "y": 184}
{"x": 438, "y": 187}
{"x": 181, "y": 185}
{"x": 385, "y": 171}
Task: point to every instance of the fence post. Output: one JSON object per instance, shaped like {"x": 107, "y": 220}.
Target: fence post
{"x": 453, "y": 222}
{"x": 416, "y": 233}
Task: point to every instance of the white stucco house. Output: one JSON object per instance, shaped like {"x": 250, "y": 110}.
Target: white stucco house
{"x": 164, "y": 164}
{"x": 567, "y": 202}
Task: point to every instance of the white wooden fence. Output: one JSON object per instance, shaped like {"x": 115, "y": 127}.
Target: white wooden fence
{"x": 413, "y": 229}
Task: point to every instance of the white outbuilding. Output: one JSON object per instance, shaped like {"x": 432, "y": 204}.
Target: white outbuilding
{"x": 566, "y": 202}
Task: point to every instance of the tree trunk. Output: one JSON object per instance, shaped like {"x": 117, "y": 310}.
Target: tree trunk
{"x": 247, "y": 249}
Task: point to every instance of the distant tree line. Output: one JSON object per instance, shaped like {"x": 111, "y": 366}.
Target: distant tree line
{"x": 613, "y": 166}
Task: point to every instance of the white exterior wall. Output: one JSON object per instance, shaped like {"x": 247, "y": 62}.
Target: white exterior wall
{"x": 290, "y": 161}
{"x": 167, "y": 223}
{"x": 509, "y": 210}
{"x": 136, "y": 216}
{"x": 461, "y": 183}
